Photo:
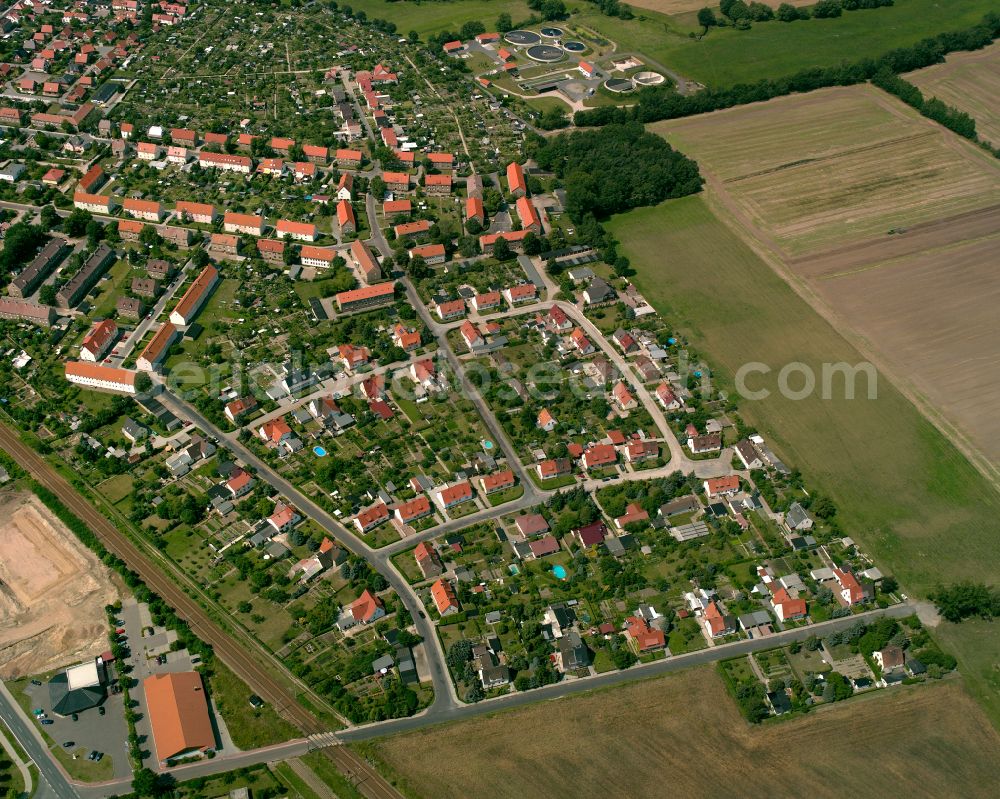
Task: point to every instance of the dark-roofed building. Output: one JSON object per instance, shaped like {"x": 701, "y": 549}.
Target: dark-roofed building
{"x": 79, "y": 688}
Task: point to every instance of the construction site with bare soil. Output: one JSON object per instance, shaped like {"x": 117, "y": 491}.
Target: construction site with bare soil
{"x": 53, "y": 591}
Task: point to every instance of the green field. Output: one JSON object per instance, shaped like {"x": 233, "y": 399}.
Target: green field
{"x": 902, "y": 489}
{"x": 433, "y": 17}
{"x": 249, "y": 728}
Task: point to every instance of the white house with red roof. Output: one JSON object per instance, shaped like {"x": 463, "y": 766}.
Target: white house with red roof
{"x": 275, "y": 431}
{"x": 850, "y": 589}
{"x": 285, "y": 517}
{"x": 98, "y": 341}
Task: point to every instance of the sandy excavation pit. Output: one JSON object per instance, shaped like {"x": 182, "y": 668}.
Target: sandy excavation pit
{"x": 52, "y": 591}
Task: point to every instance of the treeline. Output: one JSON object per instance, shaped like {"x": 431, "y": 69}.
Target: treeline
{"x": 615, "y": 169}
{"x": 741, "y": 14}
{"x": 967, "y": 599}
{"x": 656, "y": 104}
{"x": 953, "y": 119}
{"x": 159, "y": 609}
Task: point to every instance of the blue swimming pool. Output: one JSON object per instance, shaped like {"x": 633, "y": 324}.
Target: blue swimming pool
{"x": 559, "y": 572}
{"x": 320, "y": 452}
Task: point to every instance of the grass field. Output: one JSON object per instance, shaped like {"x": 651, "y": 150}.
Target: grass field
{"x": 902, "y": 489}
{"x": 432, "y": 17}
{"x": 683, "y": 731}
{"x": 769, "y": 50}
{"x": 249, "y": 728}
{"x": 969, "y": 82}
{"x": 836, "y": 166}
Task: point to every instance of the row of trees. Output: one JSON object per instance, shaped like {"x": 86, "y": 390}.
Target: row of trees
{"x": 740, "y": 14}
{"x": 665, "y": 103}
{"x": 953, "y": 119}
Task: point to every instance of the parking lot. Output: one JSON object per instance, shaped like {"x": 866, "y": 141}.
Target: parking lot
{"x": 149, "y": 644}
{"x": 91, "y": 731}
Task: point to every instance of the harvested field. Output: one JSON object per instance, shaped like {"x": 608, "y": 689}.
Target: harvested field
{"x": 820, "y": 180}
{"x": 970, "y": 82}
{"x": 835, "y": 166}
{"x": 52, "y": 591}
{"x": 932, "y": 314}
{"x": 682, "y": 736}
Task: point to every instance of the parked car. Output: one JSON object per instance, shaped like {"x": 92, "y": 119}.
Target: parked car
{"x": 101, "y": 710}
{"x": 75, "y": 717}
{"x": 69, "y": 744}
{"x": 47, "y": 721}
{"x": 36, "y": 682}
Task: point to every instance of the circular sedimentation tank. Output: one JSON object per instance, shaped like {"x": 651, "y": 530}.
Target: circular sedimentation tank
{"x": 648, "y": 78}
{"x": 522, "y": 37}
{"x": 619, "y": 85}
{"x": 545, "y": 53}
{"x": 574, "y": 47}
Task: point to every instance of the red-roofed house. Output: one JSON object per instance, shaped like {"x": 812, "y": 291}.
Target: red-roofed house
{"x": 716, "y": 622}
{"x": 285, "y": 517}
{"x": 850, "y": 589}
{"x": 370, "y": 518}
{"x": 98, "y": 341}
{"x": 522, "y": 292}
{"x": 515, "y": 179}
{"x": 444, "y": 598}
{"x": 786, "y": 607}
{"x": 721, "y": 486}
{"x": 450, "y": 496}
{"x": 275, "y": 431}
{"x": 623, "y": 397}
{"x": 643, "y": 637}
{"x": 599, "y": 455}
{"x": 498, "y": 481}
{"x": 367, "y": 608}
{"x": 428, "y": 560}
{"x": 414, "y": 509}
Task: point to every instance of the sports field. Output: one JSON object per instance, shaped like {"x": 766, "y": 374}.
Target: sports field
{"x": 682, "y": 736}
{"x": 969, "y": 82}
{"x": 902, "y": 489}
{"x": 836, "y": 166}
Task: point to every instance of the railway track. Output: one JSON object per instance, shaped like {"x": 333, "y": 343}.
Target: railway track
{"x": 229, "y": 651}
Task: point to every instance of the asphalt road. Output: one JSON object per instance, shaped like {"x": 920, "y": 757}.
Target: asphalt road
{"x": 640, "y": 671}
{"x": 53, "y": 782}
{"x": 444, "y": 689}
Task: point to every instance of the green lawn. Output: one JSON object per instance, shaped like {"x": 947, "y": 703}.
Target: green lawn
{"x": 249, "y": 728}
{"x": 82, "y": 769}
{"x": 326, "y": 771}
{"x": 772, "y": 49}
{"x": 902, "y": 489}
